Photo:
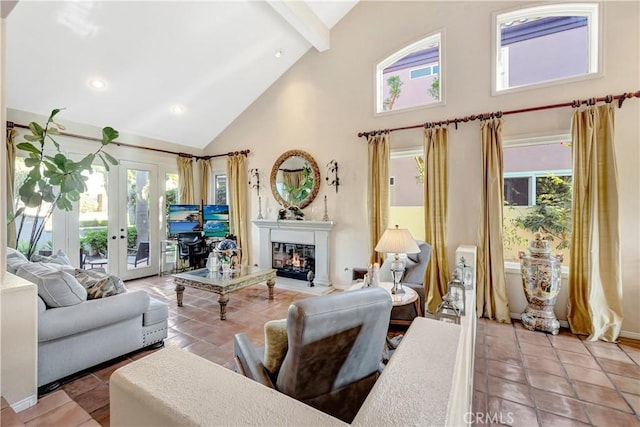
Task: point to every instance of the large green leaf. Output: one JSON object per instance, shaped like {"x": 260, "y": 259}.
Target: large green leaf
{"x": 104, "y": 161}
{"x": 31, "y": 138}
{"x": 31, "y": 162}
{"x": 27, "y": 146}
{"x": 74, "y": 196}
{"x": 36, "y": 129}
{"x": 109, "y": 157}
{"x": 109, "y": 134}
{"x": 64, "y": 204}
{"x": 54, "y": 112}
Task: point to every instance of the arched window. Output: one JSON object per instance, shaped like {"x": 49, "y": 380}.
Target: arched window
{"x": 545, "y": 44}
{"x": 411, "y": 77}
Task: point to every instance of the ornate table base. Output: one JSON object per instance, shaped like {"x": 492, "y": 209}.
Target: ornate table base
{"x": 540, "y": 318}
{"x": 222, "y": 284}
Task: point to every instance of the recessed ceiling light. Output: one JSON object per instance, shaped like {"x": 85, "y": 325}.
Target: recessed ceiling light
{"x": 278, "y": 54}
{"x": 177, "y": 109}
{"x": 97, "y": 84}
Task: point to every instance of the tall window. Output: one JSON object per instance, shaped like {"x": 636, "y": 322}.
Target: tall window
{"x": 410, "y": 77}
{"x": 537, "y": 189}
{"x": 545, "y": 43}
{"x": 219, "y": 188}
{"x": 406, "y": 194}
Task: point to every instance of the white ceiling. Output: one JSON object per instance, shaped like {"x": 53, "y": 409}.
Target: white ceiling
{"x": 214, "y": 58}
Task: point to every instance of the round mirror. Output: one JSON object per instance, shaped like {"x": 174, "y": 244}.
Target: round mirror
{"x": 295, "y": 179}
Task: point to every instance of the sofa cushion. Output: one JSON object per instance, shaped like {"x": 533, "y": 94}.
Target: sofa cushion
{"x": 58, "y": 258}
{"x": 14, "y": 253}
{"x": 157, "y": 311}
{"x": 56, "y": 288}
{"x": 99, "y": 284}
{"x": 14, "y": 263}
{"x": 275, "y": 344}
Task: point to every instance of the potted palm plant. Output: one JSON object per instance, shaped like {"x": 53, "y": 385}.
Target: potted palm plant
{"x": 53, "y": 181}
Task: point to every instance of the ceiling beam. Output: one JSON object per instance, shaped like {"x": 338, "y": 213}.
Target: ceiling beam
{"x": 300, "y": 16}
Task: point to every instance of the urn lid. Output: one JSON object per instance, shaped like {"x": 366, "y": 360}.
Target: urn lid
{"x": 540, "y": 245}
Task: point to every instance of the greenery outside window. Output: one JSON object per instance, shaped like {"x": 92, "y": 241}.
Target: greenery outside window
{"x": 538, "y": 190}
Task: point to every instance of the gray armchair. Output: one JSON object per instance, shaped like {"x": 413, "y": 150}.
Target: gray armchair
{"x": 335, "y": 345}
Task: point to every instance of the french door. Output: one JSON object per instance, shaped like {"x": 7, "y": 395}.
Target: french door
{"x": 134, "y": 220}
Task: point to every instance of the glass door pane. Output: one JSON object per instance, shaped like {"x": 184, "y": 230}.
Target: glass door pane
{"x": 94, "y": 220}
{"x": 138, "y": 221}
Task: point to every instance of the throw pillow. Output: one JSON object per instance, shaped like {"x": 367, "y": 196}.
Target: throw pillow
{"x": 98, "y": 284}
{"x": 14, "y": 263}
{"x": 14, "y": 253}
{"x": 275, "y": 345}
{"x": 58, "y": 258}
{"x": 56, "y": 288}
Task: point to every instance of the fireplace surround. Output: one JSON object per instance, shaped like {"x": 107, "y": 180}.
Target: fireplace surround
{"x": 291, "y": 233}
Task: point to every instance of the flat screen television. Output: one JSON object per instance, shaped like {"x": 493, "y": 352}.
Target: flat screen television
{"x": 215, "y": 212}
{"x": 177, "y": 227}
{"x": 215, "y": 220}
{"x": 178, "y": 212}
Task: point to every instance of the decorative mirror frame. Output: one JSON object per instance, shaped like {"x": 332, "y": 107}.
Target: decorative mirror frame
{"x": 316, "y": 177}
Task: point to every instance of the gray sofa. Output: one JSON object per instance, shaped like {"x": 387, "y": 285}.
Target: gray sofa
{"x": 76, "y": 333}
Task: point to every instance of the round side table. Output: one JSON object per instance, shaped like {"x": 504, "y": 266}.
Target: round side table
{"x": 408, "y": 297}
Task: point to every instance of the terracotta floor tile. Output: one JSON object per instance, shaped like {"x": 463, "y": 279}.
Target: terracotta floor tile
{"x": 8, "y": 418}
{"x": 575, "y": 346}
{"x": 584, "y": 360}
{"x": 533, "y": 337}
{"x": 511, "y": 413}
{"x": 552, "y": 383}
{"x": 591, "y": 376}
{"x": 620, "y": 368}
{"x": 546, "y": 365}
{"x": 634, "y": 401}
{"x": 507, "y": 371}
{"x": 606, "y": 417}
{"x": 180, "y": 340}
{"x": 106, "y": 372}
{"x": 90, "y": 423}
{"x": 493, "y": 341}
{"x": 552, "y": 420}
{"x": 504, "y": 355}
{"x": 94, "y": 399}
{"x": 200, "y": 347}
{"x": 632, "y": 352}
{"x": 81, "y": 385}
{"x": 560, "y": 405}
{"x": 44, "y": 405}
{"x": 101, "y": 416}
{"x": 609, "y": 351}
{"x": 626, "y": 384}
{"x": 601, "y": 396}
{"x": 480, "y": 365}
{"x": 4, "y": 403}
{"x": 536, "y": 350}
{"x": 480, "y": 382}
{"x": 69, "y": 414}
{"x": 508, "y": 390}
{"x": 479, "y": 404}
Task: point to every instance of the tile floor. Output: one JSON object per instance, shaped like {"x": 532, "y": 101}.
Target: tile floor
{"x": 522, "y": 378}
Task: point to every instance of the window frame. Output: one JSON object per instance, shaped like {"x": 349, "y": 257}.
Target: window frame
{"x": 378, "y": 108}
{"x": 534, "y": 175}
{"x": 593, "y": 11}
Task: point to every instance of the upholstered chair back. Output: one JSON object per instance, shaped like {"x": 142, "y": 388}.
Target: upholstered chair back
{"x": 416, "y": 265}
{"x": 335, "y": 345}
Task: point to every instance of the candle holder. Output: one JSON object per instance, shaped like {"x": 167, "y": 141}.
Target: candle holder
{"x": 332, "y": 168}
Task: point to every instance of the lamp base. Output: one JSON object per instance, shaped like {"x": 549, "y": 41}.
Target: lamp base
{"x": 397, "y": 289}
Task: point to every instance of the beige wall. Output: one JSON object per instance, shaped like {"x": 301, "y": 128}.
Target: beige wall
{"x": 321, "y": 103}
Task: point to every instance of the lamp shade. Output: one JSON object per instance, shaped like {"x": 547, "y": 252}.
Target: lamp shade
{"x": 397, "y": 240}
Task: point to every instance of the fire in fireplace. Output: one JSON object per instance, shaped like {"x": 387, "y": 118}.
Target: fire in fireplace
{"x": 293, "y": 260}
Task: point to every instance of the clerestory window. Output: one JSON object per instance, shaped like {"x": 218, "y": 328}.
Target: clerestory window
{"x": 544, "y": 44}
{"x": 411, "y": 76}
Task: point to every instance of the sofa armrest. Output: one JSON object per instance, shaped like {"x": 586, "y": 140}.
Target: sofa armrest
{"x": 64, "y": 321}
{"x": 250, "y": 361}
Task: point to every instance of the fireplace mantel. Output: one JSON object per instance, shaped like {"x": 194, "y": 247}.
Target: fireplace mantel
{"x": 292, "y": 231}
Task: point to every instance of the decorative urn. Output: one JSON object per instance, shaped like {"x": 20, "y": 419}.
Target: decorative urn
{"x": 541, "y": 284}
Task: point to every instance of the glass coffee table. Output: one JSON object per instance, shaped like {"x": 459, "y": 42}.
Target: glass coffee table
{"x": 223, "y": 283}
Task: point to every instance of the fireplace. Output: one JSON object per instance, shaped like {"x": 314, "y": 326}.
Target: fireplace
{"x": 280, "y": 239}
{"x": 293, "y": 260}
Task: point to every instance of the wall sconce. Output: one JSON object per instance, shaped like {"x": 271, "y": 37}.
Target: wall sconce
{"x": 332, "y": 168}
{"x": 254, "y": 182}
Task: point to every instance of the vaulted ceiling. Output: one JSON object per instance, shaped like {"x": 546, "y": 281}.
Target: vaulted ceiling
{"x": 177, "y": 71}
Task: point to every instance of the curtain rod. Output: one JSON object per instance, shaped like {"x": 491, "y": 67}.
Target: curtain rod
{"x": 11, "y": 125}
{"x": 574, "y": 104}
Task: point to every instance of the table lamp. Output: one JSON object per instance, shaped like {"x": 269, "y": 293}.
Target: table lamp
{"x": 397, "y": 241}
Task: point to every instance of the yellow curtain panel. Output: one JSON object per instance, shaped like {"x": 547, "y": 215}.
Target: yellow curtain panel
{"x": 378, "y": 191}
{"x": 237, "y": 187}
{"x": 186, "y": 192}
